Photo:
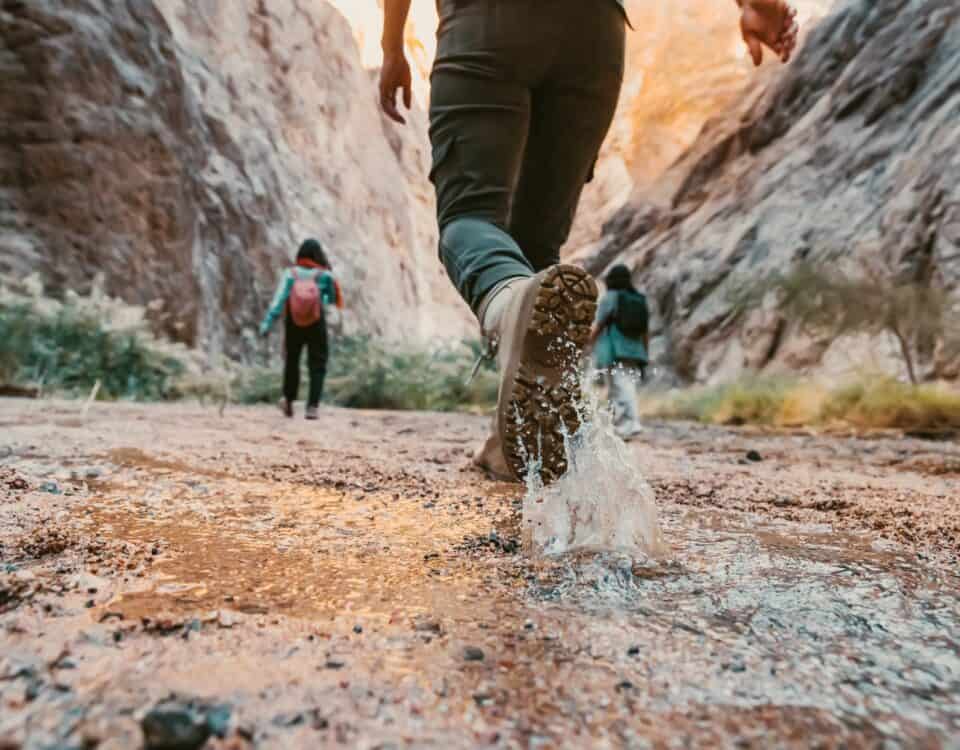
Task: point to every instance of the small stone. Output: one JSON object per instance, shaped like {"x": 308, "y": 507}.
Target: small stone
{"x": 754, "y": 456}
{"x": 178, "y": 725}
{"x": 472, "y": 653}
{"x": 426, "y": 625}
{"x": 358, "y": 629}
{"x": 633, "y": 651}
{"x": 529, "y": 625}
{"x": 51, "y": 488}
{"x": 334, "y": 664}
{"x": 624, "y": 685}
{"x": 173, "y": 726}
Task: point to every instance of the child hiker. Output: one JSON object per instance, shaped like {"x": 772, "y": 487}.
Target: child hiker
{"x": 301, "y": 295}
{"x": 621, "y": 344}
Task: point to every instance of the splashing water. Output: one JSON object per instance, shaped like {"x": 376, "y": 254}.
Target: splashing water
{"x": 602, "y": 503}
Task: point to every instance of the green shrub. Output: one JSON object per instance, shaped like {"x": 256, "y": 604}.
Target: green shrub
{"x": 71, "y": 348}
{"x": 66, "y": 347}
{"x": 365, "y": 374}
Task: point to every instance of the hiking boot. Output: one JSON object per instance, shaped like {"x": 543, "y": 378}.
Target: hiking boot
{"x": 311, "y": 413}
{"x": 540, "y": 335}
{"x": 489, "y": 459}
{"x": 286, "y": 407}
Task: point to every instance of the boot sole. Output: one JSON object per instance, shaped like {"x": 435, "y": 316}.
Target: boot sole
{"x": 540, "y": 397}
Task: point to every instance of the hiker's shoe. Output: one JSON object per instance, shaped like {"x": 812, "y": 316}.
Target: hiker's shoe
{"x": 630, "y": 433}
{"x": 286, "y": 407}
{"x": 310, "y": 413}
{"x": 540, "y": 335}
{"x": 489, "y": 459}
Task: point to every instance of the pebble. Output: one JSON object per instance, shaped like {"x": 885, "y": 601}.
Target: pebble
{"x": 51, "y": 488}
{"x": 472, "y": 653}
{"x": 754, "y": 456}
{"x": 179, "y": 725}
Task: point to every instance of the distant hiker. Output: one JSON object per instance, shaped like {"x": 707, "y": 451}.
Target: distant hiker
{"x": 621, "y": 346}
{"x": 523, "y": 93}
{"x": 301, "y": 295}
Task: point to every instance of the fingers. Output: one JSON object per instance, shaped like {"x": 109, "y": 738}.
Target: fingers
{"x": 770, "y": 23}
{"x": 788, "y": 39}
{"x": 753, "y": 43}
{"x": 756, "y": 49}
{"x": 388, "y": 101}
{"x": 389, "y": 105}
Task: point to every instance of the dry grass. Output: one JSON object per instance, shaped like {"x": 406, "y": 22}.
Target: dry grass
{"x": 872, "y": 402}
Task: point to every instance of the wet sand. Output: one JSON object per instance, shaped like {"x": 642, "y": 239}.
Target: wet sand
{"x": 355, "y": 583}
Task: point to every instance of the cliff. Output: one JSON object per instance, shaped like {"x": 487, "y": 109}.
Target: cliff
{"x": 183, "y": 150}
{"x": 849, "y": 155}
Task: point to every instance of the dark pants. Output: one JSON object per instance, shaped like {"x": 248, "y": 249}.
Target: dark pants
{"x": 314, "y": 338}
{"x": 523, "y": 94}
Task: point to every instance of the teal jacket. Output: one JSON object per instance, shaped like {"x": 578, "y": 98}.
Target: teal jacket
{"x": 613, "y": 345}
{"x": 329, "y": 294}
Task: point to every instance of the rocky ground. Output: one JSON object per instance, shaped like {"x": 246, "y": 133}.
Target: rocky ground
{"x": 172, "y": 577}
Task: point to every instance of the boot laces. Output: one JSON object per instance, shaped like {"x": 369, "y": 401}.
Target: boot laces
{"x": 491, "y": 342}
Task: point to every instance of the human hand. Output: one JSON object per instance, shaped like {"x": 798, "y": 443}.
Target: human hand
{"x": 770, "y": 23}
{"x": 395, "y": 76}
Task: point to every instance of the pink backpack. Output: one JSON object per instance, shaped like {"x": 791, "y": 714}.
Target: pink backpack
{"x": 305, "y": 306}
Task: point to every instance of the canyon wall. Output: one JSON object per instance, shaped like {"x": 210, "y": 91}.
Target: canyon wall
{"x": 848, "y": 157}
{"x": 181, "y": 151}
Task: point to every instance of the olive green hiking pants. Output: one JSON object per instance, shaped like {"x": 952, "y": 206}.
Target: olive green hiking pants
{"x": 523, "y": 94}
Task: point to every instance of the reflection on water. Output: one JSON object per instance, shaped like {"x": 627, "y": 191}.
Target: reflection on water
{"x": 755, "y": 616}
{"x": 738, "y": 614}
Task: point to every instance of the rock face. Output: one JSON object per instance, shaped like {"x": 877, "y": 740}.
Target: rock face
{"x": 183, "y": 150}
{"x": 849, "y": 155}
{"x": 686, "y": 63}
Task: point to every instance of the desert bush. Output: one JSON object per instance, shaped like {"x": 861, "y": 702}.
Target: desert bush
{"x": 754, "y": 400}
{"x": 367, "y": 374}
{"x": 69, "y": 346}
{"x": 869, "y": 402}
{"x": 887, "y": 403}
{"x": 828, "y": 301}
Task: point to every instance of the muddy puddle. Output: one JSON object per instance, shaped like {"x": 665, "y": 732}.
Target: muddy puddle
{"x": 741, "y": 613}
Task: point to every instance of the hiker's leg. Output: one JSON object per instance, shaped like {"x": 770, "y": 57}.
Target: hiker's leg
{"x": 479, "y": 115}
{"x": 623, "y": 396}
{"x": 316, "y": 361}
{"x": 291, "y": 367}
{"x": 571, "y": 113}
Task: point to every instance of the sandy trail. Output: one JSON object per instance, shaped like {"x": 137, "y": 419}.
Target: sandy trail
{"x": 353, "y": 582}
